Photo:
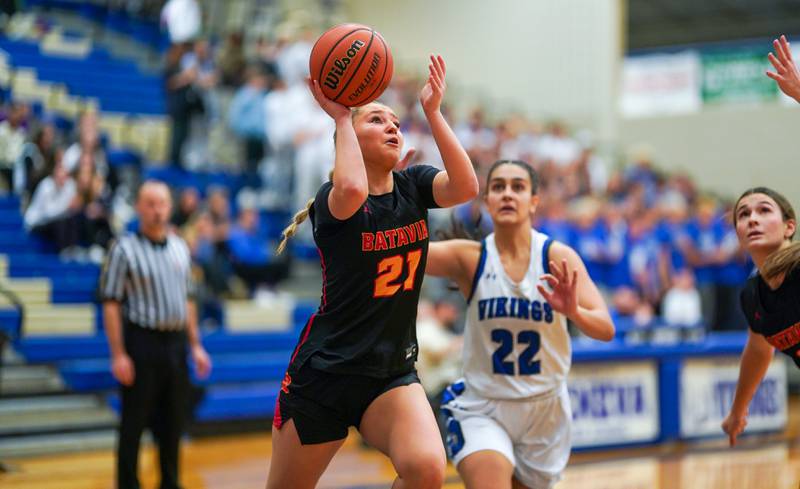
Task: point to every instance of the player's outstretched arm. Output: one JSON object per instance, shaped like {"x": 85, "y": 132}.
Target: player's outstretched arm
{"x": 455, "y": 259}
{"x": 458, "y": 183}
{"x": 574, "y": 294}
{"x": 756, "y": 358}
{"x": 785, "y": 73}
{"x": 350, "y": 188}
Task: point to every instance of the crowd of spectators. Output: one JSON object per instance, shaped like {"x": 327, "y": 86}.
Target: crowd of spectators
{"x": 659, "y": 247}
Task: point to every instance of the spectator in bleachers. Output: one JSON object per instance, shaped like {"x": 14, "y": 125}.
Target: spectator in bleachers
{"x": 551, "y": 219}
{"x": 36, "y": 161}
{"x": 182, "y": 19}
{"x": 247, "y": 119}
{"x": 200, "y": 61}
{"x": 588, "y": 236}
{"x": 231, "y": 60}
{"x": 251, "y": 256}
{"x": 672, "y": 232}
{"x": 187, "y": 209}
{"x": 278, "y": 167}
{"x": 13, "y": 135}
{"x": 204, "y": 242}
{"x": 94, "y": 204}
{"x": 681, "y": 305}
{"x": 731, "y": 273}
{"x": 53, "y": 211}
{"x": 216, "y": 254}
{"x": 478, "y": 139}
{"x": 702, "y": 252}
{"x": 220, "y": 209}
{"x": 88, "y": 144}
{"x": 641, "y": 172}
{"x": 645, "y": 260}
{"x": 183, "y": 100}
{"x": 592, "y": 168}
{"x": 629, "y": 303}
{"x": 615, "y": 247}
{"x": 314, "y": 151}
{"x": 295, "y": 40}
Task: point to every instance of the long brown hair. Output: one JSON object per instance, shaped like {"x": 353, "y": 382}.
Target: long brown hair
{"x": 784, "y": 261}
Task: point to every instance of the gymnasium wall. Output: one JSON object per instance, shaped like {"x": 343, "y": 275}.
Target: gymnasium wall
{"x": 545, "y": 58}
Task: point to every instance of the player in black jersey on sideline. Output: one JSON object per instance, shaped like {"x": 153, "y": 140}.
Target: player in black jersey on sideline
{"x": 765, "y": 224}
{"x": 354, "y": 362}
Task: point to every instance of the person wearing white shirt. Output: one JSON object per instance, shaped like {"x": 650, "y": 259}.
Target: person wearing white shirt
{"x": 182, "y": 18}
{"x": 50, "y": 215}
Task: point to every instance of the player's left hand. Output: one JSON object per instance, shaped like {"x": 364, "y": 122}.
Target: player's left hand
{"x": 405, "y": 160}
{"x": 786, "y": 73}
{"x": 563, "y": 282}
{"x": 432, "y": 93}
{"x": 202, "y": 362}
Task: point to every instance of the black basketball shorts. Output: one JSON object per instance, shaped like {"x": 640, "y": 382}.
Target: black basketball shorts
{"x": 324, "y": 405}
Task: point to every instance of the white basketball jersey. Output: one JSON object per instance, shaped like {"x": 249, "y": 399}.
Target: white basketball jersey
{"x": 515, "y": 345}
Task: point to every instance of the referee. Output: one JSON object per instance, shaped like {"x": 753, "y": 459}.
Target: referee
{"x": 145, "y": 286}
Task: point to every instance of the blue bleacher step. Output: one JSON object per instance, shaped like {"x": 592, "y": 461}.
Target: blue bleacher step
{"x": 95, "y": 375}
{"x": 246, "y": 401}
{"x": 58, "y": 349}
{"x": 230, "y": 402}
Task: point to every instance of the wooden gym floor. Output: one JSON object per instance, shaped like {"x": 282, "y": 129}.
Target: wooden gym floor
{"x": 241, "y": 462}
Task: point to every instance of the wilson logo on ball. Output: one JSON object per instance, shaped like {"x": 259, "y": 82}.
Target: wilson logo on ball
{"x": 352, "y": 64}
{"x": 339, "y": 67}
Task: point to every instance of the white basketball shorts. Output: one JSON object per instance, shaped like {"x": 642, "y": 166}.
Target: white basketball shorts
{"x": 533, "y": 434}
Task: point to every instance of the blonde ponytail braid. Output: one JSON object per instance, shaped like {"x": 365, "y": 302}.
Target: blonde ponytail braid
{"x": 291, "y": 229}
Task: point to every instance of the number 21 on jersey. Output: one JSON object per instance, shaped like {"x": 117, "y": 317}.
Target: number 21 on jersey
{"x": 390, "y": 269}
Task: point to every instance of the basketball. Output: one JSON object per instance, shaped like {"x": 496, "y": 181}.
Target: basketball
{"x": 352, "y": 63}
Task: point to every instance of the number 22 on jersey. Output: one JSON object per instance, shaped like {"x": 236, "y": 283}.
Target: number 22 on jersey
{"x": 527, "y": 364}
{"x": 390, "y": 269}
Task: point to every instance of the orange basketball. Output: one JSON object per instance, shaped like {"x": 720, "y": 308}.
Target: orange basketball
{"x": 352, "y": 63}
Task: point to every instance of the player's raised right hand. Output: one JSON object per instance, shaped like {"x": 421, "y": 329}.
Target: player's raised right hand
{"x": 786, "y": 73}
{"x": 333, "y": 109}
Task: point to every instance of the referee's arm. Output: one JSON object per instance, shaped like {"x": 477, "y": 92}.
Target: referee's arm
{"x": 202, "y": 362}
{"x": 112, "y": 289}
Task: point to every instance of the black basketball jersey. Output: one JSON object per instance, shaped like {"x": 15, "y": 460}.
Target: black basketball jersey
{"x": 372, "y": 269}
{"x": 775, "y": 314}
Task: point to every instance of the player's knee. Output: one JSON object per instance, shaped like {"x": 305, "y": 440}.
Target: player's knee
{"x": 424, "y": 470}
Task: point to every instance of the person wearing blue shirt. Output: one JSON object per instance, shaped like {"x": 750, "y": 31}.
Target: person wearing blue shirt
{"x": 615, "y": 247}
{"x": 250, "y": 255}
{"x": 645, "y": 260}
{"x": 703, "y": 254}
{"x": 248, "y": 120}
{"x": 588, "y": 237}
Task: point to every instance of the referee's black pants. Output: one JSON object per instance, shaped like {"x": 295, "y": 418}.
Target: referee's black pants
{"x": 157, "y": 399}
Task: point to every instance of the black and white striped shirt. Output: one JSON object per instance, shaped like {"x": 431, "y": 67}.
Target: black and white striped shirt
{"x": 151, "y": 280}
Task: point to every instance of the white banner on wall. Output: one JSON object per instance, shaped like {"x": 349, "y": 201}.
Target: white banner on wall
{"x": 661, "y": 84}
{"x": 707, "y": 389}
{"x": 614, "y": 403}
